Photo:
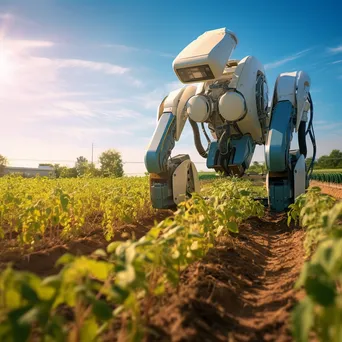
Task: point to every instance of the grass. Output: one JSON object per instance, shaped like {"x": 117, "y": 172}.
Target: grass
{"x": 207, "y": 175}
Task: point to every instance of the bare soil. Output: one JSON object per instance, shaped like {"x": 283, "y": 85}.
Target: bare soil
{"x": 42, "y": 260}
{"x": 241, "y": 291}
{"x": 333, "y": 190}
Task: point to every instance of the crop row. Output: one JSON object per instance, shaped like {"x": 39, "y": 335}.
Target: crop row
{"x": 328, "y": 177}
{"x": 40, "y": 208}
{"x": 320, "y": 312}
{"x": 115, "y": 287}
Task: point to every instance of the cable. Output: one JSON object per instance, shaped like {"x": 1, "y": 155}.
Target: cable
{"x": 311, "y": 133}
{"x": 197, "y": 139}
{"x": 205, "y": 133}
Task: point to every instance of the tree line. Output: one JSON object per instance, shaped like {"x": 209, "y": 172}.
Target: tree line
{"x": 110, "y": 161}
{"x": 331, "y": 161}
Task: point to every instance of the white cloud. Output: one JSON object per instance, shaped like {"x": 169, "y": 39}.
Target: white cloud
{"x": 285, "y": 60}
{"x": 326, "y": 125}
{"x": 54, "y": 63}
{"x": 320, "y": 122}
{"x": 336, "y": 49}
{"x": 125, "y": 48}
{"x": 107, "y": 68}
{"x": 84, "y": 133}
{"x": 32, "y": 87}
{"x": 125, "y": 113}
{"x": 336, "y": 62}
{"x": 21, "y": 44}
{"x": 7, "y": 19}
{"x": 152, "y": 99}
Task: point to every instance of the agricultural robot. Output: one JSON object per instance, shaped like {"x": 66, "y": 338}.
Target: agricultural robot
{"x": 231, "y": 98}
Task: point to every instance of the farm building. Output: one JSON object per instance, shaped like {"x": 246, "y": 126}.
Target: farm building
{"x": 28, "y": 171}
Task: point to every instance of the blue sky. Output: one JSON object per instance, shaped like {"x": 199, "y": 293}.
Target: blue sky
{"x": 77, "y": 72}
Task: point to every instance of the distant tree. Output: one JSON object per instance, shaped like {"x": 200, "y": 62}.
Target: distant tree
{"x": 92, "y": 171}
{"x": 335, "y": 158}
{"x": 81, "y": 166}
{"x": 111, "y": 164}
{"x": 68, "y": 172}
{"x": 57, "y": 169}
{"x": 45, "y": 164}
{"x": 3, "y": 162}
{"x": 331, "y": 161}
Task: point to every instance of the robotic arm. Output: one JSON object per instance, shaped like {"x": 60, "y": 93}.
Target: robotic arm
{"x": 288, "y": 176}
{"x": 171, "y": 180}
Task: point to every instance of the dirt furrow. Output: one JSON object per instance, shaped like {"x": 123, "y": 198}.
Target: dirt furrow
{"x": 42, "y": 260}
{"x": 242, "y": 290}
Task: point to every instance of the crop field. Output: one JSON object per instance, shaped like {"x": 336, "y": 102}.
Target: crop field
{"x": 328, "y": 171}
{"x": 89, "y": 259}
{"x": 329, "y": 177}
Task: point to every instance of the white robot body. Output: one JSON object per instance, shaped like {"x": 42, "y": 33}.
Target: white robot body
{"x": 199, "y": 108}
{"x": 236, "y": 99}
{"x": 206, "y": 57}
{"x": 231, "y": 97}
{"x": 294, "y": 87}
{"x": 244, "y": 81}
{"x": 232, "y": 106}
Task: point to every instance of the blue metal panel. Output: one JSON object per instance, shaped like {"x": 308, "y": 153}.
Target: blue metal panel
{"x": 160, "y": 195}
{"x": 244, "y": 149}
{"x": 279, "y": 196}
{"x": 213, "y": 148}
{"x": 279, "y": 137}
{"x": 161, "y": 144}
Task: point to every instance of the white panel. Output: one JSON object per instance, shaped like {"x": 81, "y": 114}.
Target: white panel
{"x": 303, "y": 85}
{"x": 299, "y": 177}
{"x": 171, "y": 102}
{"x": 212, "y": 48}
{"x": 181, "y": 115}
{"x": 286, "y": 87}
{"x": 179, "y": 181}
{"x": 244, "y": 80}
{"x": 196, "y": 179}
{"x": 160, "y": 110}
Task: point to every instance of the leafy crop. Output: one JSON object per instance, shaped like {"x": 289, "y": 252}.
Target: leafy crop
{"x": 330, "y": 177}
{"x": 40, "y": 208}
{"x": 118, "y": 284}
{"x": 320, "y": 311}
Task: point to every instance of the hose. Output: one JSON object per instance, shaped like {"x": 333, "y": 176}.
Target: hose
{"x": 205, "y": 133}
{"x": 311, "y": 132}
{"x": 301, "y": 138}
{"x": 224, "y": 142}
{"x": 197, "y": 139}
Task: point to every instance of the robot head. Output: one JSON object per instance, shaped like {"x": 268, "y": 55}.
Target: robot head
{"x": 205, "y": 58}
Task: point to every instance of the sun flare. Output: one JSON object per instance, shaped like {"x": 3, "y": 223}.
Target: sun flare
{"x": 6, "y": 65}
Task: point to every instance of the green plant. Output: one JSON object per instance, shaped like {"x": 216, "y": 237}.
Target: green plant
{"x": 320, "y": 312}
{"x": 119, "y": 283}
